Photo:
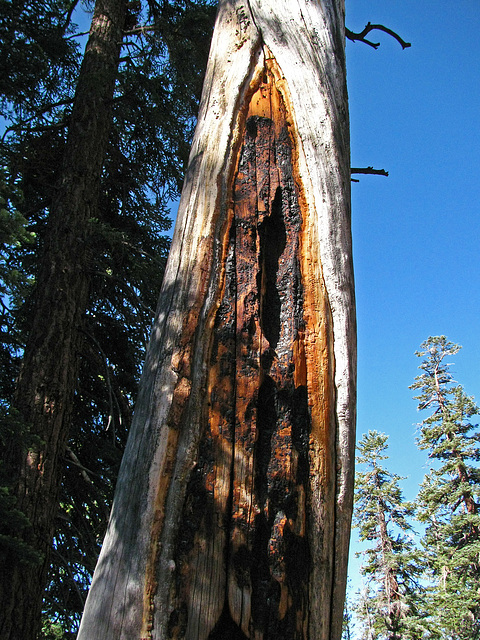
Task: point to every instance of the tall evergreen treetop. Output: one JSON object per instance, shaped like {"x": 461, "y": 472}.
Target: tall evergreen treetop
{"x": 450, "y": 493}
{"x": 390, "y": 608}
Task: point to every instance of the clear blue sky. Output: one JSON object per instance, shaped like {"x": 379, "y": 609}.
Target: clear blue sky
{"x": 416, "y": 234}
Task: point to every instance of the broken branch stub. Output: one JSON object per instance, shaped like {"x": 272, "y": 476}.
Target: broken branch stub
{"x": 361, "y": 36}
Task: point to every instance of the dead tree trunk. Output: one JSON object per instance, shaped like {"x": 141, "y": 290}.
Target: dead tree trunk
{"x": 232, "y": 512}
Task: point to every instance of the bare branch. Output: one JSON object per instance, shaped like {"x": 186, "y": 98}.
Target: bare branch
{"x": 139, "y": 29}
{"x": 369, "y": 171}
{"x": 38, "y": 114}
{"x": 78, "y": 35}
{"x": 361, "y": 36}
{"x": 111, "y": 395}
{"x": 67, "y": 566}
{"x": 68, "y": 15}
{"x": 85, "y": 473}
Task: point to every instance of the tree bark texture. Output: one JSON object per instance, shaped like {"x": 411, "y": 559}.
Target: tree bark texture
{"x": 45, "y": 388}
{"x": 232, "y": 512}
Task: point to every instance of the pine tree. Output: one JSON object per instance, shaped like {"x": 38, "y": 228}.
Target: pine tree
{"x": 152, "y": 104}
{"x": 389, "y": 607}
{"x": 449, "y": 495}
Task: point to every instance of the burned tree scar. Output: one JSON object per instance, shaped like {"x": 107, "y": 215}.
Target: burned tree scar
{"x": 244, "y": 521}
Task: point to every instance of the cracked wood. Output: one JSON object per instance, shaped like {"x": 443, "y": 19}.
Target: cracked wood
{"x": 243, "y": 555}
{"x": 240, "y": 457}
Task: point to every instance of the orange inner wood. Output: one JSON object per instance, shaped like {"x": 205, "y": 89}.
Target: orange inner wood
{"x": 267, "y": 450}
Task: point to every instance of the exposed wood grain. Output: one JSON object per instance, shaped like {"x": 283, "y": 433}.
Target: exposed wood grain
{"x": 231, "y": 518}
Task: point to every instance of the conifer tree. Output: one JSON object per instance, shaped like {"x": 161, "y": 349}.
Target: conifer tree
{"x": 389, "y": 606}
{"x": 449, "y": 495}
{"x": 123, "y": 167}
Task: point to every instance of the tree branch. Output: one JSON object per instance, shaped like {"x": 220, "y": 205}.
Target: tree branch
{"x": 85, "y": 473}
{"x": 140, "y": 29}
{"x": 78, "y": 35}
{"x": 68, "y": 16}
{"x": 38, "y": 113}
{"x": 369, "y": 171}
{"x": 111, "y": 395}
{"x": 66, "y": 564}
{"x": 361, "y": 36}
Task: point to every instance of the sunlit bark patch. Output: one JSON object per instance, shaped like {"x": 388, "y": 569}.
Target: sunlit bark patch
{"x": 243, "y": 553}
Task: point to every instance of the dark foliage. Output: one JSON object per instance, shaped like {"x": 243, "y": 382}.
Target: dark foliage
{"x": 159, "y": 82}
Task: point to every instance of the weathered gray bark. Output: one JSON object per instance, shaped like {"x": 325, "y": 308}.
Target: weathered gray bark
{"x": 46, "y": 385}
{"x": 233, "y": 506}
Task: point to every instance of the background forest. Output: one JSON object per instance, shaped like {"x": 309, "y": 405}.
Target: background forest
{"x": 104, "y": 239}
{"x": 416, "y": 258}
{"x": 422, "y": 586}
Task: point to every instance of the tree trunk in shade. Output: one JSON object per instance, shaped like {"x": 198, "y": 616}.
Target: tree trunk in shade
{"x": 46, "y": 385}
{"x": 232, "y": 512}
